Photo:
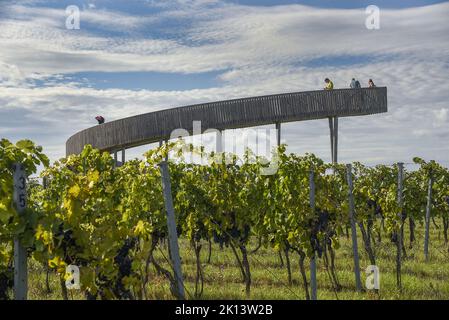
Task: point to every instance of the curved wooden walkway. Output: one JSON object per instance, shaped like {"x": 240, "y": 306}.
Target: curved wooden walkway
{"x": 238, "y": 113}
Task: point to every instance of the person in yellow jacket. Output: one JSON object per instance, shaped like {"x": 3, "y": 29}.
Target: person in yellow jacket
{"x": 329, "y": 84}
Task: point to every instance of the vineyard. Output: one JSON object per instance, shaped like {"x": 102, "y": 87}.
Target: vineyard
{"x": 111, "y": 222}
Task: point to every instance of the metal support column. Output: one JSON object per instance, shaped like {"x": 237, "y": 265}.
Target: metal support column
{"x": 333, "y": 128}
{"x": 219, "y": 141}
{"x": 278, "y": 133}
{"x": 115, "y": 158}
{"x": 335, "y": 139}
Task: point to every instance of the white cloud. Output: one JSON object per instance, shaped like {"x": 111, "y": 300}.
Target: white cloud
{"x": 226, "y": 36}
{"x": 441, "y": 117}
{"x": 10, "y": 75}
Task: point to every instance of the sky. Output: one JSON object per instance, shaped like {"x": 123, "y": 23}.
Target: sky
{"x": 137, "y": 56}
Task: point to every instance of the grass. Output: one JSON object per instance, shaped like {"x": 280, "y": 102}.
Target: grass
{"x": 421, "y": 280}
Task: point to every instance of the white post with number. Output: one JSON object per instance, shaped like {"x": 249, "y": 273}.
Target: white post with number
{"x": 20, "y": 253}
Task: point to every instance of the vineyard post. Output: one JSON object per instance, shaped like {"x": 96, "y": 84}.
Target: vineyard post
{"x": 428, "y": 210}
{"x": 172, "y": 232}
{"x": 20, "y": 253}
{"x": 398, "y": 232}
{"x": 355, "y": 250}
{"x": 313, "y": 284}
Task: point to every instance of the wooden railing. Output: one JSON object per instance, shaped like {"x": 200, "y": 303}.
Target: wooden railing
{"x": 238, "y": 113}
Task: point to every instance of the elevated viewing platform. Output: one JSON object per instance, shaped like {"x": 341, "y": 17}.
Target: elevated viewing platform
{"x": 230, "y": 114}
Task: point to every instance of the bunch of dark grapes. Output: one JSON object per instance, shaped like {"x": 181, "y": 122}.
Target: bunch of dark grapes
{"x": 69, "y": 246}
{"x": 232, "y": 233}
{"x": 6, "y": 282}
{"x": 319, "y": 225}
{"x": 377, "y": 209}
{"x": 124, "y": 262}
{"x": 222, "y": 239}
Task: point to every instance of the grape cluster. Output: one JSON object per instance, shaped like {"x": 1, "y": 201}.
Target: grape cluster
{"x": 320, "y": 225}
{"x": 116, "y": 286}
{"x": 6, "y": 282}
{"x": 224, "y": 237}
{"x": 69, "y": 246}
{"x": 124, "y": 263}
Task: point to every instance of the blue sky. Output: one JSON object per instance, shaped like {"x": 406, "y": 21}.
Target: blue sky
{"x": 137, "y": 56}
{"x": 137, "y": 80}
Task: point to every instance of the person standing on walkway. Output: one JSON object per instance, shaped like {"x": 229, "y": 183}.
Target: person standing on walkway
{"x": 352, "y": 85}
{"x": 100, "y": 119}
{"x": 371, "y": 83}
{"x": 329, "y": 84}
{"x": 355, "y": 84}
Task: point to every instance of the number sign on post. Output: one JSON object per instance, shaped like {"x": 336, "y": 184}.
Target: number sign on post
{"x": 20, "y": 253}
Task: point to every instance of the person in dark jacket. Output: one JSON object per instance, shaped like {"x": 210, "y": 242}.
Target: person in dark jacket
{"x": 100, "y": 119}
